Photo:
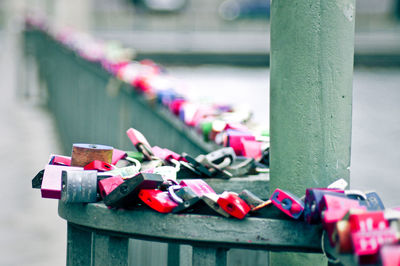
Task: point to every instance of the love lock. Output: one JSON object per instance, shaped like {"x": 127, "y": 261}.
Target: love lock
{"x": 232, "y": 204}
{"x": 79, "y": 186}
{"x": 125, "y": 195}
{"x": 287, "y": 203}
{"x": 157, "y": 200}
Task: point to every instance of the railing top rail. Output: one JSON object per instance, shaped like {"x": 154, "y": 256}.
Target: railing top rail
{"x": 193, "y": 229}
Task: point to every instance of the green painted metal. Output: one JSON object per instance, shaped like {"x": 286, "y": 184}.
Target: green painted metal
{"x": 109, "y": 250}
{"x": 204, "y": 256}
{"x": 312, "y": 49}
{"x": 78, "y": 246}
{"x": 210, "y": 231}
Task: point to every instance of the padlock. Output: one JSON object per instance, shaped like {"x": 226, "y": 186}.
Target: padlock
{"x": 211, "y": 200}
{"x": 168, "y": 173}
{"x": 287, "y": 203}
{"x": 107, "y": 185}
{"x": 157, "y": 200}
{"x": 265, "y": 157}
{"x": 140, "y": 142}
{"x": 124, "y": 172}
{"x": 176, "y": 105}
{"x": 60, "y": 160}
{"x": 333, "y": 209}
{"x": 341, "y": 237}
{"x": 252, "y": 149}
{"x": 125, "y": 195}
{"x": 198, "y": 186}
{"x": 217, "y": 127}
{"x": 241, "y": 166}
{"x": 38, "y": 179}
{"x": 251, "y": 199}
{"x": 219, "y": 156}
{"x": 186, "y": 170}
{"x": 197, "y": 166}
{"x": 373, "y": 202}
{"x": 366, "y": 244}
{"x": 79, "y": 186}
{"x": 390, "y": 255}
{"x": 185, "y": 197}
{"x": 135, "y": 155}
{"x": 232, "y": 204}
{"x": 117, "y": 155}
{"x": 233, "y": 138}
{"x": 150, "y": 165}
{"x": 368, "y": 221}
{"x": 166, "y": 154}
{"x": 314, "y": 196}
{"x": 99, "y": 166}
{"x": 52, "y": 179}
{"x": 82, "y": 154}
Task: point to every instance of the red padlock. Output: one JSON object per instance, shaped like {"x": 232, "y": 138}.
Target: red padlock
{"x": 390, "y": 255}
{"x": 232, "y": 204}
{"x": 99, "y": 166}
{"x": 198, "y": 186}
{"x": 366, "y": 244}
{"x": 157, "y": 200}
{"x": 368, "y": 221}
{"x": 288, "y": 203}
{"x": 109, "y": 184}
{"x": 60, "y": 160}
{"x": 333, "y": 209}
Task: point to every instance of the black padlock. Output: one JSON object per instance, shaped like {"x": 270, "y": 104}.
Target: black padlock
{"x": 197, "y": 166}
{"x": 265, "y": 157}
{"x": 79, "y": 186}
{"x": 185, "y": 197}
{"x": 186, "y": 171}
{"x": 126, "y": 194}
{"x": 37, "y": 180}
{"x": 373, "y": 202}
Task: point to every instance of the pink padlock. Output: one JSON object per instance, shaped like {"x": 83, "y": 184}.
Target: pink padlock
{"x": 198, "y": 186}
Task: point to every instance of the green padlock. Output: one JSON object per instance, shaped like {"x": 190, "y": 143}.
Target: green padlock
{"x": 135, "y": 155}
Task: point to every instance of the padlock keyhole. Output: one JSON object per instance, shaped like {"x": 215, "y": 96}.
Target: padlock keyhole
{"x": 230, "y": 207}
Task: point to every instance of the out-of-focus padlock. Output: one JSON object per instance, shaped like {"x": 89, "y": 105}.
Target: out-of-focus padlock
{"x": 333, "y": 209}
{"x": 366, "y": 244}
{"x": 233, "y": 204}
{"x": 314, "y": 196}
{"x": 99, "y": 166}
{"x": 125, "y": 195}
{"x": 140, "y": 142}
{"x": 107, "y": 185}
{"x": 390, "y": 255}
{"x": 79, "y": 186}
{"x": 287, "y": 203}
{"x": 157, "y": 200}
{"x": 233, "y": 138}
{"x": 241, "y": 166}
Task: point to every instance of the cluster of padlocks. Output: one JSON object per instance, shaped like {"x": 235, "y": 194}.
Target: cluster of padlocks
{"x": 167, "y": 182}
{"x": 223, "y": 124}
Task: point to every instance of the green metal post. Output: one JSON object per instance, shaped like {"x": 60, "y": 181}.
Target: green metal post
{"x": 312, "y": 48}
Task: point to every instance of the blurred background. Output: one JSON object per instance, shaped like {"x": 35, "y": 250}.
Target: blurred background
{"x": 220, "y": 48}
